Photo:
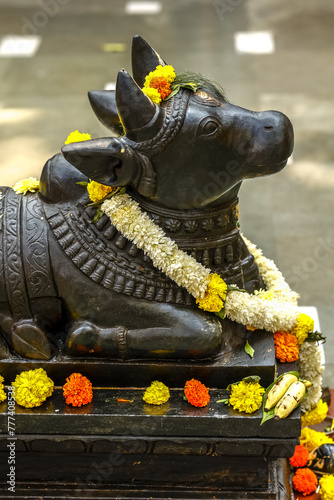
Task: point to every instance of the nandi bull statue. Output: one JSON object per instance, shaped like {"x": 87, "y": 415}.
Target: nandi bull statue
{"x": 183, "y": 161}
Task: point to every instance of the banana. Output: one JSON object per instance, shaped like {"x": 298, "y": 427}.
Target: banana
{"x": 307, "y": 383}
{"x": 279, "y": 389}
{"x": 290, "y": 400}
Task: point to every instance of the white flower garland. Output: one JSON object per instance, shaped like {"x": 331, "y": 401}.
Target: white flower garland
{"x": 273, "y": 310}
{"x": 135, "y": 225}
{"x": 311, "y": 368}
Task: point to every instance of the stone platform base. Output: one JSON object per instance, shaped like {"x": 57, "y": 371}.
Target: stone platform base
{"x": 132, "y": 450}
{"x": 132, "y": 468}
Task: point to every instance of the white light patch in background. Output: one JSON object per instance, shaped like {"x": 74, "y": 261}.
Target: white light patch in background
{"x": 19, "y": 46}
{"x": 143, "y": 8}
{"x": 110, "y": 86}
{"x": 254, "y": 42}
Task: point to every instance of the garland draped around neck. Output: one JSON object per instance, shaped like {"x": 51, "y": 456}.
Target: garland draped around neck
{"x": 273, "y": 310}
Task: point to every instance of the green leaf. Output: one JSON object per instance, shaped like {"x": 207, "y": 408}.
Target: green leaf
{"x": 190, "y": 86}
{"x": 249, "y": 349}
{"x": 221, "y": 313}
{"x": 185, "y": 398}
{"x": 252, "y": 378}
{"x": 268, "y": 415}
{"x": 225, "y": 401}
{"x": 97, "y": 216}
{"x": 315, "y": 337}
{"x": 82, "y": 183}
{"x": 175, "y": 89}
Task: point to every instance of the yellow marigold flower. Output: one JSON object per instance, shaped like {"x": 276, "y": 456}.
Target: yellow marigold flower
{"x": 167, "y": 72}
{"x": 215, "y": 295}
{"x": 156, "y": 394}
{"x": 3, "y": 395}
{"x": 24, "y": 185}
{"x": 326, "y": 487}
{"x": 304, "y": 326}
{"x": 246, "y": 396}
{"x": 97, "y": 191}
{"x": 312, "y": 439}
{"x": 32, "y": 387}
{"x": 77, "y": 137}
{"x": 153, "y": 94}
{"x": 315, "y": 416}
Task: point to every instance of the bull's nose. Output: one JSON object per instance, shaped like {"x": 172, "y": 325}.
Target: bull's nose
{"x": 274, "y": 125}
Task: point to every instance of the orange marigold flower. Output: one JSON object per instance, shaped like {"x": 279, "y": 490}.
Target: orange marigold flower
{"x": 162, "y": 85}
{"x": 286, "y": 347}
{"x": 196, "y": 393}
{"x": 305, "y": 481}
{"x": 300, "y": 456}
{"x": 78, "y": 390}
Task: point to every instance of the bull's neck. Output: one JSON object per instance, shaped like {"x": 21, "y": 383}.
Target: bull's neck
{"x": 211, "y": 236}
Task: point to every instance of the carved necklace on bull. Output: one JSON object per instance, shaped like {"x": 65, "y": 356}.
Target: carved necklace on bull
{"x": 274, "y": 309}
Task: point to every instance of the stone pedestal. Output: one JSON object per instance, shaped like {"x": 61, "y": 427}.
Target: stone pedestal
{"x": 113, "y": 449}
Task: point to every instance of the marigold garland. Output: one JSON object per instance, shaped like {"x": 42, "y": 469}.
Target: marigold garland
{"x": 77, "y": 136}
{"x": 3, "y": 395}
{"x": 327, "y": 487}
{"x": 315, "y": 416}
{"x": 32, "y": 387}
{"x": 246, "y": 396}
{"x": 78, "y": 390}
{"x": 156, "y": 394}
{"x": 196, "y": 393}
{"x": 305, "y": 481}
{"x": 30, "y": 184}
{"x": 286, "y": 347}
{"x": 312, "y": 439}
{"x": 300, "y": 456}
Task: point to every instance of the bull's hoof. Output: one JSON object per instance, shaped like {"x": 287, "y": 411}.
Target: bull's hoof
{"x": 30, "y": 341}
{"x": 87, "y": 339}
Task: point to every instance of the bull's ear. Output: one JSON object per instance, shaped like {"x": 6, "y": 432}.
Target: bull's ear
{"x": 113, "y": 162}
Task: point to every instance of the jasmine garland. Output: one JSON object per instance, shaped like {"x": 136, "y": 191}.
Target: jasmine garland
{"x": 272, "y": 310}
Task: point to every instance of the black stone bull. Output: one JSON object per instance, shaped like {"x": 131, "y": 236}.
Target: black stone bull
{"x": 184, "y": 162}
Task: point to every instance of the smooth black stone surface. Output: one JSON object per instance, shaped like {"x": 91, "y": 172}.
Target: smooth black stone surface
{"x": 137, "y": 476}
{"x": 218, "y": 373}
{"x": 105, "y": 415}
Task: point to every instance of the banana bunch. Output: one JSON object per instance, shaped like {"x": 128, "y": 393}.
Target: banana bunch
{"x": 285, "y": 395}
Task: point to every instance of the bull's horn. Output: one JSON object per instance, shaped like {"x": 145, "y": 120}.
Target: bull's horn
{"x": 103, "y": 103}
{"x": 141, "y": 118}
{"x": 144, "y": 59}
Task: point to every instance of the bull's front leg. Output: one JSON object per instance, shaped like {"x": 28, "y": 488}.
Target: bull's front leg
{"x": 185, "y": 334}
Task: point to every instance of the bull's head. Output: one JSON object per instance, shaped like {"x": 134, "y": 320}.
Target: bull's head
{"x": 191, "y": 151}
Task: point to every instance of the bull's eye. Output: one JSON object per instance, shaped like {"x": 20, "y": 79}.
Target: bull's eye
{"x": 208, "y": 127}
